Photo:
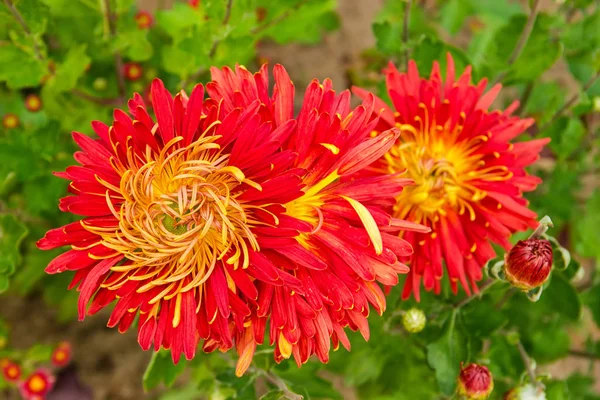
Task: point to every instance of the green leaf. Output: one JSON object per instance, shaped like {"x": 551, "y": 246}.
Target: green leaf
{"x": 20, "y": 69}
{"x": 12, "y": 233}
{"x": 39, "y": 353}
{"x": 430, "y": 49}
{"x": 587, "y": 228}
{"x": 454, "y": 13}
{"x": 34, "y": 13}
{"x": 161, "y": 369}
{"x": 69, "y": 71}
{"x": 539, "y": 54}
{"x": 562, "y": 297}
{"x": 567, "y": 135}
{"x": 388, "y": 36}
{"x": 592, "y": 301}
{"x": 445, "y": 355}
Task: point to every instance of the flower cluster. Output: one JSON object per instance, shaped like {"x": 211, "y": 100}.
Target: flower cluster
{"x": 228, "y": 216}
{"x": 39, "y": 380}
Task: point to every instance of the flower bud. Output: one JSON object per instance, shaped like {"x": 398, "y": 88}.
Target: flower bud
{"x": 528, "y": 264}
{"x": 11, "y": 371}
{"x": 526, "y": 392}
{"x": 100, "y": 84}
{"x": 414, "y": 320}
{"x": 474, "y": 382}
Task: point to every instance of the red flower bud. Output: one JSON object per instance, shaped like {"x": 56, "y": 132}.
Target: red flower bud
{"x": 194, "y": 3}
{"x": 144, "y": 20}
{"x": 527, "y": 265}
{"x": 132, "y": 71}
{"x": 475, "y": 382}
{"x": 33, "y": 102}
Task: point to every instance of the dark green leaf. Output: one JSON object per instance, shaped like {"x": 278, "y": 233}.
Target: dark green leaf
{"x": 12, "y": 233}
{"x": 445, "y": 355}
{"x": 562, "y": 297}
{"x": 161, "y": 369}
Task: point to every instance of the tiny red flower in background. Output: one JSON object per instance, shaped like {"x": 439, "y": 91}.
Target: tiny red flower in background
{"x": 528, "y": 264}
{"x": 475, "y": 382}
{"x": 11, "y": 371}
{"x": 33, "y": 102}
{"x": 227, "y": 215}
{"x": 61, "y": 354}
{"x": 132, "y": 71}
{"x": 37, "y": 385}
{"x": 469, "y": 176}
{"x": 10, "y": 121}
{"x": 144, "y": 19}
{"x": 194, "y": 3}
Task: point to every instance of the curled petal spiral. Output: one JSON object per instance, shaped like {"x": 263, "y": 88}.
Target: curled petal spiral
{"x": 469, "y": 174}
{"x": 225, "y": 215}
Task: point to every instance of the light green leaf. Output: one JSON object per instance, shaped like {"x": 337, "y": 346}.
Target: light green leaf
{"x": 69, "y": 71}
{"x": 454, "y": 13}
{"x": 20, "y": 69}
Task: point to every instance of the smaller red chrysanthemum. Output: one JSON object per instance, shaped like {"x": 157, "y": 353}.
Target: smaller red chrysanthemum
{"x": 37, "y": 385}
{"x": 61, "y": 355}
{"x": 10, "y": 121}
{"x": 132, "y": 71}
{"x": 469, "y": 175}
{"x": 33, "y": 102}
{"x": 144, "y": 20}
{"x": 11, "y": 371}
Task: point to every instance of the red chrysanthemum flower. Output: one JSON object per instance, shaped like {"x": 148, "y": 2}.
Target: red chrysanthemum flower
{"x": 61, "y": 354}
{"x": 469, "y": 177}
{"x": 11, "y": 371}
{"x": 132, "y": 71}
{"x": 37, "y": 385}
{"x": 339, "y": 242}
{"x": 228, "y": 212}
{"x": 144, "y": 20}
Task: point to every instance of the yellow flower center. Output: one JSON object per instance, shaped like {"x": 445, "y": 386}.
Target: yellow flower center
{"x": 37, "y": 384}
{"x": 444, "y": 169}
{"x": 179, "y": 217}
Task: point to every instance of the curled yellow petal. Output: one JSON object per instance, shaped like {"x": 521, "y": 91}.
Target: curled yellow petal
{"x": 370, "y": 225}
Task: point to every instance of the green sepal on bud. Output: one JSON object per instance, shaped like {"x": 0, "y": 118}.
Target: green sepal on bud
{"x": 526, "y": 392}
{"x": 414, "y": 320}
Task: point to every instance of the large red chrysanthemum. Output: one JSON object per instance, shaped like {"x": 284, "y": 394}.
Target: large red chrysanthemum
{"x": 469, "y": 177}
{"x": 227, "y": 213}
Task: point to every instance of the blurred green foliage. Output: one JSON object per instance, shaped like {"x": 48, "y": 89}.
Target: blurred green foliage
{"x": 72, "y": 56}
